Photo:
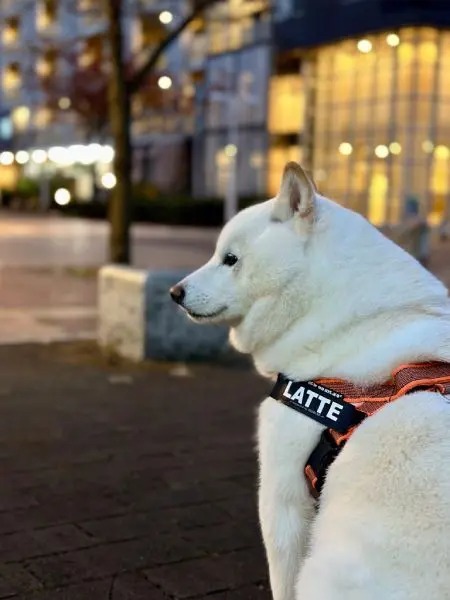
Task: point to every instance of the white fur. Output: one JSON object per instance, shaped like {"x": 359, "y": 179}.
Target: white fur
{"x": 337, "y": 299}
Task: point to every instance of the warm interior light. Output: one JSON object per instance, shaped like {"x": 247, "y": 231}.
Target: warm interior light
{"x": 395, "y": 148}
{"x": 166, "y": 17}
{"x": 441, "y": 152}
{"x": 392, "y": 40}
{"x": 381, "y": 151}
{"x": 427, "y": 146}
{"x": 364, "y": 46}
{"x": 165, "y": 82}
{"x": 230, "y": 150}
{"x": 64, "y": 103}
{"x": 345, "y": 148}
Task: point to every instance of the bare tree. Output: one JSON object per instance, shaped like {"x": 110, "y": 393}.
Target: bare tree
{"x": 122, "y": 90}
{"x": 101, "y": 95}
{"x": 120, "y": 117}
{"x": 87, "y": 91}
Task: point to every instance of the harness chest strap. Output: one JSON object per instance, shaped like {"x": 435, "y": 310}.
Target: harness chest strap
{"x": 341, "y": 406}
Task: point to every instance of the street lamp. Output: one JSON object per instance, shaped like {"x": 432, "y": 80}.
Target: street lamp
{"x": 62, "y": 197}
{"x": 165, "y": 82}
{"x": 166, "y": 17}
{"x": 22, "y": 157}
{"x": 6, "y": 158}
{"x": 109, "y": 181}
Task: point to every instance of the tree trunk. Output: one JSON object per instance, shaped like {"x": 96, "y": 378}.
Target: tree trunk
{"x": 120, "y": 118}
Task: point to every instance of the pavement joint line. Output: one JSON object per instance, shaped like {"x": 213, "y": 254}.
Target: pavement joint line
{"x": 62, "y": 466}
{"x": 158, "y": 586}
{"x": 109, "y": 516}
{"x": 105, "y": 544}
{"x": 53, "y": 587}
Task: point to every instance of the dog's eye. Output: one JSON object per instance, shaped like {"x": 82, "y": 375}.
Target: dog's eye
{"x": 230, "y": 259}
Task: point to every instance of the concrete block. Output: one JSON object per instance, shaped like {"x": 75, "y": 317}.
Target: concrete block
{"x": 121, "y": 308}
{"x": 138, "y": 320}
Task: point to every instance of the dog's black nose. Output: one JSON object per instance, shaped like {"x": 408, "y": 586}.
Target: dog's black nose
{"x": 177, "y": 293}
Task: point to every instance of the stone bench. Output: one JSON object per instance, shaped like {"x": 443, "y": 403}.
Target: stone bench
{"x": 138, "y": 320}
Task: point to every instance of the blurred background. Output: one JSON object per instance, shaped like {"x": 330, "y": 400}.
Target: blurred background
{"x": 354, "y": 89}
{"x": 176, "y": 113}
{"x": 130, "y": 131}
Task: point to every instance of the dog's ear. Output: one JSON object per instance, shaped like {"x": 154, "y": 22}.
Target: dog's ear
{"x": 296, "y": 196}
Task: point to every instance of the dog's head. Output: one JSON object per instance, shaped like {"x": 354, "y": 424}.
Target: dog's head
{"x": 257, "y": 254}
{"x": 304, "y": 267}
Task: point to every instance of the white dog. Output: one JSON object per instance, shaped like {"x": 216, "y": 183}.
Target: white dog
{"x": 313, "y": 291}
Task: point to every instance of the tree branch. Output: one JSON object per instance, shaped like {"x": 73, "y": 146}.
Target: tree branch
{"x": 137, "y": 80}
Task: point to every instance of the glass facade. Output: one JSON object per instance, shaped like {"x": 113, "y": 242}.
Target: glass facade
{"x": 233, "y": 113}
{"x": 381, "y": 131}
{"x": 285, "y": 122}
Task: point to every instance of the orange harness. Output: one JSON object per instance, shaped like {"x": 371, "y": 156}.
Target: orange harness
{"x": 348, "y": 405}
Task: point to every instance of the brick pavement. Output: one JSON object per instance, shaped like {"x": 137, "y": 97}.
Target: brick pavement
{"x": 125, "y": 482}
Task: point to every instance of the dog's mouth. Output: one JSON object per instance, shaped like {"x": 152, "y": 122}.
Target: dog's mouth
{"x": 202, "y": 317}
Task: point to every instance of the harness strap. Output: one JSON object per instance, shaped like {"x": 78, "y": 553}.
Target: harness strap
{"x": 341, "y": 406}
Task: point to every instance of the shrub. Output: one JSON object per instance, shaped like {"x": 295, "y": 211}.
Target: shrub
{"x": 27, "y": 188}
{"x": 171, "y": 209}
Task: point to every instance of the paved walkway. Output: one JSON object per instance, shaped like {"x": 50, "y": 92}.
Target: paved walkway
{"x": 126, "y": 484}
{"x": 48, "y": 268}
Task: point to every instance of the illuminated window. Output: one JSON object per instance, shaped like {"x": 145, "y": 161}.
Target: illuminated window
{"x": 390, "y": 105}
{"x": 11, "y": 31}
{"x": 47, "y": 14}
{"x": 42, "y": 117}
{"x": 236, "y": 24}
{"x": 92, "y": 52}
{"x": 21, "y": 117}
{"x": 286, "y": 104}
{"x": 12, "y": 77}
{"x": 46, "y": 64}
{"x": 152, "y": 30}
{"x": 88, "y": 5}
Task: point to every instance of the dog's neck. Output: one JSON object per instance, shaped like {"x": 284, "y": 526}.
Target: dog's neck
{"x": 364, "y": 352}
{"x": 395, "y": 312}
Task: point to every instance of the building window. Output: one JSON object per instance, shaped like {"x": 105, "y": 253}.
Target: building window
{"x": 46, "y": 64}
{"x": 47, "y": 14}
{"x": 11, "y": 31}
{"x": 84, "y": 5}
{"x": 234, "y": 25}
{"x": 12, "y": 77}
{"x": 92, "y": 52}
{"x": 152, "y": 30}
{"x": 21, "y": 117}
{"x": 42, "y": 117}
{"x": 286, "y": 104}
{"x": 382, "y": 123}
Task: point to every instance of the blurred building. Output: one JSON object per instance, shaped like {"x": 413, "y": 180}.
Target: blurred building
{"x": 53, "y": 87}
{"x": 231, "y": 103}
{"x": 354, "y": 89}
{"x": 368, "y": 90}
